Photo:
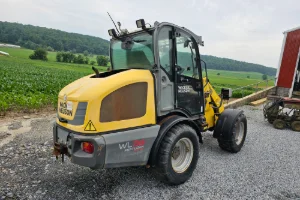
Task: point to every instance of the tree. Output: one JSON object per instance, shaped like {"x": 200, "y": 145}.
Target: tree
{"x": 102, "y": 60}
{"x": 86, "y": 60}
{"x": 85, "y": 53}
{"x": 218, "y": 74}
{"x": 264, "y": 77}
{"x": 50, "y": 48}
{"x": 39, "y": 54}
{"x": 92, "y": 62}
{"x": 248, "y": 76}
{"x": 80, "y": 59}
{"x": 58, "y": 56}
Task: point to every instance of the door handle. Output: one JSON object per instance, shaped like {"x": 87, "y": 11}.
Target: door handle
{"x": 184, "y": 80}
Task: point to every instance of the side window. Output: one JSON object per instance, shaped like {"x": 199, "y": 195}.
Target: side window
{"x": 186, "y": 55}
{"x": 127, "y": 102}
{"x": 165, "y": 49}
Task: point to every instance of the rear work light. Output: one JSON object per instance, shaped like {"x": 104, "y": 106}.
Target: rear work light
{"x": 87, "y": 147}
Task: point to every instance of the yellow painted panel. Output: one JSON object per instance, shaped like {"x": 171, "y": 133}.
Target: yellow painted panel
{"x": 94, "y": 90}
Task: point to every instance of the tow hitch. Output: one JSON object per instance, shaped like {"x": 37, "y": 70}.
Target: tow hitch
{"x": 60, "y": 149}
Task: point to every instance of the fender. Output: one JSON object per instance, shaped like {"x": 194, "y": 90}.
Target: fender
{"x": 226, "y": 121}
{"x": 166, "y": 125}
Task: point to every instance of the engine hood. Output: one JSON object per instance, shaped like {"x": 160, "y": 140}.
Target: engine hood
{"x": 89, "y": 87}
{"x": 79, "y": 102}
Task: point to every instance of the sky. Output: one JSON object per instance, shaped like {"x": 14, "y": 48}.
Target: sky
{"x": 245, "y": 30}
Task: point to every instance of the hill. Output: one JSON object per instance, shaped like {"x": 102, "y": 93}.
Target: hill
{"x": 214, "y": 62}
{"x": 31, "y": 37}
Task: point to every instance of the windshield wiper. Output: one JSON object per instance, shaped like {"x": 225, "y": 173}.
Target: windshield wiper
{"x": 138, "y": 41}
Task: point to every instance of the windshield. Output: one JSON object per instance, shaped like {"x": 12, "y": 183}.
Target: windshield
{"x": 139, "y": 55}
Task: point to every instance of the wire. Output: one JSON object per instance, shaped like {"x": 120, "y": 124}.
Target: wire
{"x": 113, "y": 22}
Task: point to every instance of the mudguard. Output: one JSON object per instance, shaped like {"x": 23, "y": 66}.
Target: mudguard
{"x": 167, "y": 124}
{"x": 225, "y": 123}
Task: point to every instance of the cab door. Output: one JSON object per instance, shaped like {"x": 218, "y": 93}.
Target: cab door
{"x": 188, "y": 79}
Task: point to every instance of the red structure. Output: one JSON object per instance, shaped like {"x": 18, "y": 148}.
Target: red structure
{"x": 288, "y": 72}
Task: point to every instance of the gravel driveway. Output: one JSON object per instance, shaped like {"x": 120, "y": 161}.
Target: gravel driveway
{"x": 268, "y": 167}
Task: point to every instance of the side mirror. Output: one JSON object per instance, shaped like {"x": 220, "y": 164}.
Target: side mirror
{"x": 226, "y": 93}
{"x": 186, "y": 43}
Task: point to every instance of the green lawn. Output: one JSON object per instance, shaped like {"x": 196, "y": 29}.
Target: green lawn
{"x": 29, "y": 84}
{"x": 24, "y": 53}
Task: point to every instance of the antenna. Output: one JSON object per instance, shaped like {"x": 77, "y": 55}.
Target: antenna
{"x": 113, "y": 22}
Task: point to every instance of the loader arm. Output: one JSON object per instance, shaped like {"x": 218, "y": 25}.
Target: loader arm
{"x": 213, "y": 104}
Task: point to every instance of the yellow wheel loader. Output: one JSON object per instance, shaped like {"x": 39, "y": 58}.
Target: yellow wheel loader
{"x": 149, "y": 109}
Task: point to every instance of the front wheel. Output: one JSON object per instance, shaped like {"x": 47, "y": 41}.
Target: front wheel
{"x": 232, "y": 139}
{"x": 178, "y": 155}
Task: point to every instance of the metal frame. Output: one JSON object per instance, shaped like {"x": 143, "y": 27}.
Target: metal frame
{"x": 295, "y": 71}
{"x": 280, "y": 58}
{"x": 198, "y": 40}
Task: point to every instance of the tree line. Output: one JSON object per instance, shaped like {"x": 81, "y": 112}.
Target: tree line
{"x": 69, "y": 57}
{"x": 213, "y": 62}
{"x": 33, "y": 37}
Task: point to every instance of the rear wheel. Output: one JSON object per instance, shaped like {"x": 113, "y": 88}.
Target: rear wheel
{"x": 295, "y": 125}
{"x": 178, "y": 155}
{"x": 233, "y": 140}
{"x": 279, "y": 124}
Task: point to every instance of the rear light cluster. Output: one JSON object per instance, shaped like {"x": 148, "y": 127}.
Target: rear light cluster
{"x": 87, "y": 147}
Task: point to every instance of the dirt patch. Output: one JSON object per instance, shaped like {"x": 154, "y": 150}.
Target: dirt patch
{"x": 4, "y": 135}
{"x": 21, "y": 115}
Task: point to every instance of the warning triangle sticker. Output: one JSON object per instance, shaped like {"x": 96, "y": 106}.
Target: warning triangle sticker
{"x": 90, "y": 126}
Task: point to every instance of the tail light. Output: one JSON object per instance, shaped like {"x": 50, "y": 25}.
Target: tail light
{"x": 87, "y": 147}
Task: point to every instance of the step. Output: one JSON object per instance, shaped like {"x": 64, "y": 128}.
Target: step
{"x": 258, "y": 102}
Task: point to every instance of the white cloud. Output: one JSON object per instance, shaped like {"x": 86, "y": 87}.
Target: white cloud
{"x": 248, "y": 30}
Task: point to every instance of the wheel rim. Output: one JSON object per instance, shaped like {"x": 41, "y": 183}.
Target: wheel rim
{"x": 239, "y": 135}
{"x": 296, "y": 126}
{"x": 182, "y": 155}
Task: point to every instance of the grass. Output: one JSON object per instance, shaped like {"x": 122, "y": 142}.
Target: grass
{"x": 32, "y": 84}
{"x": 24, "y": 53}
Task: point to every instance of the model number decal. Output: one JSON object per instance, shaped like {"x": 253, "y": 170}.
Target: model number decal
{"x": 135, "y": 145}
{"x": 184, "y": 89}
{"x": 63, "y": 108}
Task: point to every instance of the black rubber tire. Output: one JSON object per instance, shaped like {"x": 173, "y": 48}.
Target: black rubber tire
{"x": 279, "y": 124}
{"x": 295, "y": 125}
{"x": 164, "y": 169}
{"x": 227, "y": 142}
{"x": 270, "y": 121}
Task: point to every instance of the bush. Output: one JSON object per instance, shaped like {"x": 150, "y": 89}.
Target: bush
{"x": 218, "y": 74}
{"x": 67, "y": 57}
{"x": 85, "y": 53}
{"x": 39, "y": 54}
{"x": 50, "y": 48}
{"x": 58, "y": 56}
{"x": 239, "y": 94}
{"x": 92, "y": 62}
{"x": 86, "y": 60}
{"x": 80, "y": 59}
{"x": 248, "y": 76}
{"x": 102, "y": 60}
{"x": 264, "y": 77}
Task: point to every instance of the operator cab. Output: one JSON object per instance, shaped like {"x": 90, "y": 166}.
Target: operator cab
{"x": 171, "y": 53}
